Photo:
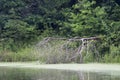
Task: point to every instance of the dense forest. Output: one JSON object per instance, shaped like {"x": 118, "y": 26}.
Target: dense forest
{"x": 23, "y": 23}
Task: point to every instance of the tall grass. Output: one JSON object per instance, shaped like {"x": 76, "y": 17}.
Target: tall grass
{"x": 51, "y": 52}
{"x": 57, "y": 51}
{"x": 21, "y": 55}
{"x": 113, "y": 56}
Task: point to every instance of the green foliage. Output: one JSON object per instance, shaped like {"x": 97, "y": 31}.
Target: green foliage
{"x": 113, "y": 56}
{"x": 21, "y": 55}
{"x": 17, "y": 34}
{"x": 114, "y": 33}
{"x": 24, "y": 22}
{"x": 87, "y": 20}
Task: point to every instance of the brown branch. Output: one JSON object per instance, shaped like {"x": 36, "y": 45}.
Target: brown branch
{"x": 72, "y": 39}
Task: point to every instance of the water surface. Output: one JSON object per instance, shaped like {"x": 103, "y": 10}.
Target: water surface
{"x": 9, "y": 73}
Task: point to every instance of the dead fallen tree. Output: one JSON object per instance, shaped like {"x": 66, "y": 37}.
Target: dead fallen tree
{"x": 69, "y": 53}
{"x": 47, "y": 39}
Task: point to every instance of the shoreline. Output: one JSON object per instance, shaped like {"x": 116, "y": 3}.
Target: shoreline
{"x": 93, "y": 67}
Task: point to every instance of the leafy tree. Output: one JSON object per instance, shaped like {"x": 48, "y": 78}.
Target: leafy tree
{"x": 87, "y": 20}
{"x": 19, "y": 32}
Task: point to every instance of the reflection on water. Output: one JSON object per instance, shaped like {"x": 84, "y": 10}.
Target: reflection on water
{"x": 44, "y": 74}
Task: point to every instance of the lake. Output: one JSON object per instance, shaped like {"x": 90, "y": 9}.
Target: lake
{"x": 15, "y": 73}
{"x": 7, "y": 73}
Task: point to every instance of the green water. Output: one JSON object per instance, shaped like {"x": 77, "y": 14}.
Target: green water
{"x": 45, "y": 74}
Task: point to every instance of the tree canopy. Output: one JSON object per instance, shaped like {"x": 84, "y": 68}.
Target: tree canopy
{"x": 23, "y": 22}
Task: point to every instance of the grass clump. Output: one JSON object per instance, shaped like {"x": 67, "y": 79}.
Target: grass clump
{"x": 113, "y": 56}
{"x": 21, "y": 55}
